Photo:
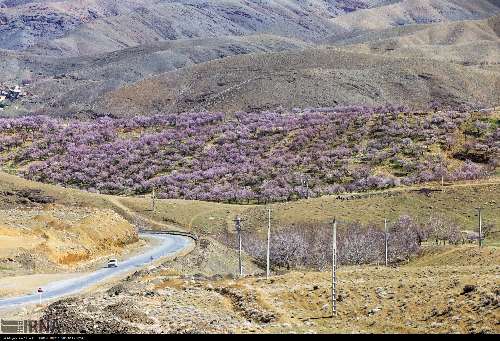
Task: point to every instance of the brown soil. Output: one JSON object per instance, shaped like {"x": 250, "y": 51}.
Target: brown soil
{"x": 54, "y": 237}
{"x": 408, "y": 299}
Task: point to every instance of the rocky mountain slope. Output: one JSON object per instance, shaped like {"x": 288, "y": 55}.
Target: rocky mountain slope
{"x": 86, "y": 27}
{"x": 27, "y": 23}
{"x": 73, "y": 54}
{"x": 65, "y": 85}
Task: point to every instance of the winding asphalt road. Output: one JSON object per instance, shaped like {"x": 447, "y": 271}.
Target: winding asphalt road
{"x": 170, "y": 244}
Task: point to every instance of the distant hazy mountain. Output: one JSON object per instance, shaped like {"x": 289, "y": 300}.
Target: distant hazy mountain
{"x": 97, "y": 26}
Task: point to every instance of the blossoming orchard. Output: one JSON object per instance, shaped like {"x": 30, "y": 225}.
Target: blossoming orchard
{"x": 252, "y": 157}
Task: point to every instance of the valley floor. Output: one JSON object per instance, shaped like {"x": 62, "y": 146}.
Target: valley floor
{"x": 413, "y": 298}
{"x": 448, "y": 289}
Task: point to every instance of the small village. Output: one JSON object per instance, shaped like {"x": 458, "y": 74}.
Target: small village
{"x": 9, "y": 94}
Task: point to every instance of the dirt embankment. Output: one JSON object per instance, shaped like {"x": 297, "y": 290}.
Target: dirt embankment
{"x": 52, "y": 237}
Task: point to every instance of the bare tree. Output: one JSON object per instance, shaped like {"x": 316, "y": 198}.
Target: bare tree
{"x": 310, "y": 245}
{"x": 441, "y": 230}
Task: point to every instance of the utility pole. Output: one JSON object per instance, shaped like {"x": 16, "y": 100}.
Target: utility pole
{"x": 238, "y": 230}
{"x": 480, "y": 225}
{"x": 442, "y": 173}
{"x": 153, "y": 196}
{"x": 386, "y": 243}
{"x": 305, "y": 183}
{"x": 268, "y": 239}
{"x": 334, "y": 268}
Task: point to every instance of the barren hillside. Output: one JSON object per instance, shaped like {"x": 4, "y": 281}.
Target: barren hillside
{"x": 467, "y": 43}
{"x": 71, "y": 85}
{"x": 54, "y": 237}
{"x": 311, "y": 78}
{"x": 51, "y": 230}
{"x": 73, "y": 54}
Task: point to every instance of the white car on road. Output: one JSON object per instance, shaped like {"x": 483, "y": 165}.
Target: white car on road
{"x": 112, "y": 263}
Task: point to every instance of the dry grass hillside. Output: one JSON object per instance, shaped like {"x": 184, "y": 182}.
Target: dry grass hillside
{"x": 323, "y": 77}
{"x": 442, "y": 33}
{"x": 455, "y": 202}
{"x": 474, "y": 42}
{"x": 450, "y": 289}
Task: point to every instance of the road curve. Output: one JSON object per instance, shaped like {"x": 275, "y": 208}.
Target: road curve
{"x": 170, "y": 244}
